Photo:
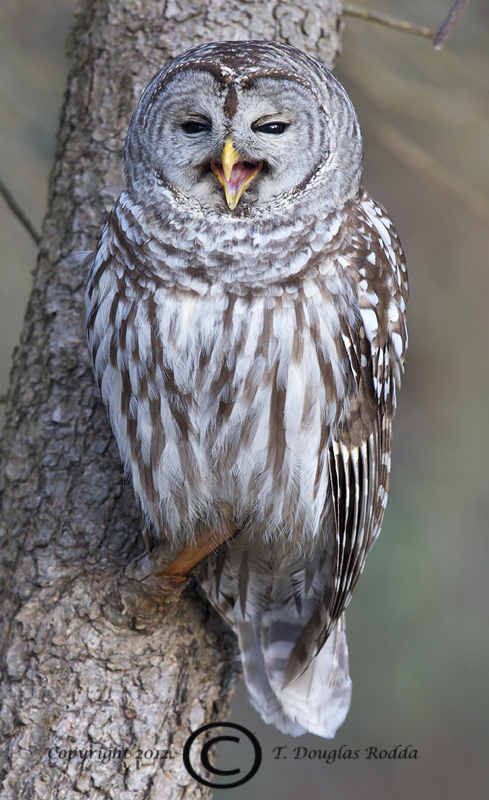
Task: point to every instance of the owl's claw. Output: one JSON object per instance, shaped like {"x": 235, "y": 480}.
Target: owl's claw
{"x": 174, "y": 577}
{"x": 171, "y": 585}
{"x": 195, "y": 552}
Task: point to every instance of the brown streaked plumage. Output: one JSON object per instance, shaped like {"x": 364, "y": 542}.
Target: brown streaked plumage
{"x": 247, "y": 329}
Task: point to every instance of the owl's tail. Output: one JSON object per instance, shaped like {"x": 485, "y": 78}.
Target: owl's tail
{"x": 318, "y": 700}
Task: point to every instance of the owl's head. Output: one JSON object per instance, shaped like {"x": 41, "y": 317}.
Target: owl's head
{"x": 232, "y": 125}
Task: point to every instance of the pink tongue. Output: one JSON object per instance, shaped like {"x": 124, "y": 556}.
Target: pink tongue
{"x": 239, "y": 174}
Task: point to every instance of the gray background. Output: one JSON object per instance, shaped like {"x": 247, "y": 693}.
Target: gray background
{"x": 418, "y": 622}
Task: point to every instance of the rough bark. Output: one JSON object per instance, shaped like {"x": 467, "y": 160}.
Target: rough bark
{"x": 89, "y": 659}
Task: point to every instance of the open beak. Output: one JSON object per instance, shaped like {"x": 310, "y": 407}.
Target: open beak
{"x": 233, "y": 174}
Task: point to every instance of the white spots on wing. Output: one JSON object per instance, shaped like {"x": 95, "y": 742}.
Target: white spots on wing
{"x": 383, "y": 225}
{"x": 344, "y": 262}
{"x": 382, "y": 494}
{"x": 371, "y": 259}
{"x": 346, "y": 341}
{"x": 393, "y": 312}
{"x": 371, "y": 297}
{"x": 378, "y": 221}
{"x": 354, "y": 455}
{"x": 370, "y": 322}
{"x": 398, "y": 345}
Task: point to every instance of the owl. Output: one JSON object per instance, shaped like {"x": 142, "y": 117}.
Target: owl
{"x": 246, "y": 323}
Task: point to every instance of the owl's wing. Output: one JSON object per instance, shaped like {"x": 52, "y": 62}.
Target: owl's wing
{"x": 359, "y": 448}
{"x": 358, "y": 456}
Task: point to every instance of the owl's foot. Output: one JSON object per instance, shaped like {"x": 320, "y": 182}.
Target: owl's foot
{"x": 158, "y": 577}
{"x": 196, "y": 552}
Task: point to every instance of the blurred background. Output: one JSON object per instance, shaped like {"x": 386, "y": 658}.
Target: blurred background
{"x": 418, "y": 632}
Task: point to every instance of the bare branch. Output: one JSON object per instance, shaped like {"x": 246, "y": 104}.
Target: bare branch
{"x": 445, "y": 30}
{"x": 20, "y": 214}
{"x": 390, "y": 22}
{"x": 439, "y": 37}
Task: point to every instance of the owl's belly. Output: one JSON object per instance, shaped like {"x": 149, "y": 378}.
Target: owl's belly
{"x": 239, "y": 410}
{"x": 227, "y": 401}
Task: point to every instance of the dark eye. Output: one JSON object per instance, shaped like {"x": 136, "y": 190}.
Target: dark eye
{"x": 275, "y": 128}
{"x": 193, "y": 126}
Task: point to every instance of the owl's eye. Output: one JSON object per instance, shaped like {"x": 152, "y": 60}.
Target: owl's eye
{"x": 195, "y": 126}
{"x": 274, "y": 128}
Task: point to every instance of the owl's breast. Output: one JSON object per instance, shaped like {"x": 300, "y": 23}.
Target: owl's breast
{"x": 232, "y": 399}
{"x": 220, "y": 397}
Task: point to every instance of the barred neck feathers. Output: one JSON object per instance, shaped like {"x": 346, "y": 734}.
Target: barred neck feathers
{"x": 193, "y": 251}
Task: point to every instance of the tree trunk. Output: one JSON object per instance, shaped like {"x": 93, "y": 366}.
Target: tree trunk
{"x": 89, "y": 659}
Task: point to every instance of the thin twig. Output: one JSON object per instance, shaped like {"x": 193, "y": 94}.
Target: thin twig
{"x": 19, "y": 213}
{"x": 445, "y": 30}
{"x": 383, "y": 19}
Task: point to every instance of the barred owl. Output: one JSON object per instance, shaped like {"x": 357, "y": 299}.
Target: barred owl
{"x": 246, "y": 321}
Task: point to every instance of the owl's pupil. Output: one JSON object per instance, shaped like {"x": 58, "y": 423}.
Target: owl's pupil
{"x": 274, "y": 128}
{"x": 192, "y": 126}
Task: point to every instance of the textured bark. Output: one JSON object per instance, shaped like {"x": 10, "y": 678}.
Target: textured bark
{"x": 88, "y": 658}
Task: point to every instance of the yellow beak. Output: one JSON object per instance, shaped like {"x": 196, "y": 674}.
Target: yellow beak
{"x": 233, "y": 174}
{"x": 230, "y": 157}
